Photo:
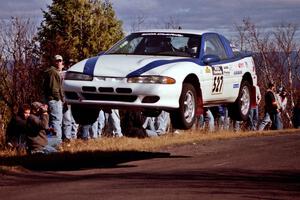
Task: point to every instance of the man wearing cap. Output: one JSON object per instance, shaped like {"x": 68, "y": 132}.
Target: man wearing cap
{"x": 54, "y": 95}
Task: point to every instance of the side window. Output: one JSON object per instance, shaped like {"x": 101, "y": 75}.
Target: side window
{"x": 213, "y": 45}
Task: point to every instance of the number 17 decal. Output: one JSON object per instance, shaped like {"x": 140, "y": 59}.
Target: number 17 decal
{"x": 217, "y": 85}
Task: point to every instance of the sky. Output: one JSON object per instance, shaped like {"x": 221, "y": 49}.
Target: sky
{"x": 189, "y": 14}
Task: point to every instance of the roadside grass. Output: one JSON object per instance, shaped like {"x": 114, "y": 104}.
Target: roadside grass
{"x": 154, "y": 144}
{"x": 151, "y": 144}
{"x": 105, "y": 152}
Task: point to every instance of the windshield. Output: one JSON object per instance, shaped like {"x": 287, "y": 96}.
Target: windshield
{"x": 166, "y": 44}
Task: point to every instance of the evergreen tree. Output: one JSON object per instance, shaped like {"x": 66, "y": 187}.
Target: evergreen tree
{"x": 78, "y": 29}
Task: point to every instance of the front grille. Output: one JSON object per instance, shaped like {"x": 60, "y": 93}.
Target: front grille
{"x": 106, "y": 89}
{"x": 88, "y": 89}
{"x": 108, "y": 97}
{"x": 124, "y": 90}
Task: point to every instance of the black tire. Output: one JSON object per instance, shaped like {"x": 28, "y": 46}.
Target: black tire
{"x": 84, "y": 115}
{"x": 240, "y": 109}
{"x": 185, "y": 116}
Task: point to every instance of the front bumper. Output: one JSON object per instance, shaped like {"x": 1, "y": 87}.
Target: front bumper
{"x": 116, "y": 93}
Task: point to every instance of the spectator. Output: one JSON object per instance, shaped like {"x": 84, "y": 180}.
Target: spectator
{"x": 99, "y": 125}
{"x": 37, "y": 125}
{"x": 236, "y": 125}
{"x": 157, "y": 126}
{"x": 255, "y": 101}
{"x": 54, "y": 95}
{"x": 282, "y": 95}
{"x": 207, "y": 119}
{"x": 223, "y": 118}
{"x": 16, "y": 129}
{"x": 271, "y": 109}
{"x": 86, "y": 132}
{"x": 114, "y": 123}
{"x": 132, "y": 124}
{"x": 296, "y": 114}
{"x": 107, "y": 122}
{"x": 68, "y": 122}
{"x": 282, "y": 98}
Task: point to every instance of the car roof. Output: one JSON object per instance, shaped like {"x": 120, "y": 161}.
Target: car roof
{"x": 182, "y": 31}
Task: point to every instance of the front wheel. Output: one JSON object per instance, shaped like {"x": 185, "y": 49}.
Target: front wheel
{"x": 184, "y": 117}
{"x": 240, "y": 109}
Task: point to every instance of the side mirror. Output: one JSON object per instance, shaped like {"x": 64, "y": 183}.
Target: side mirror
{"x": 208, "y": 59}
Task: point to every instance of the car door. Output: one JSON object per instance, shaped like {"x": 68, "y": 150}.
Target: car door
{"x": 216, "y": 80}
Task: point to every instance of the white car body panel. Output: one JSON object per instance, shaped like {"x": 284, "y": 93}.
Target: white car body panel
{"x": 111, "y": 71}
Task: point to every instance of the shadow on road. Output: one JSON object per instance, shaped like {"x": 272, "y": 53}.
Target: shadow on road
{"x": 67, "y": 161}
{"x": 223, "y": 183}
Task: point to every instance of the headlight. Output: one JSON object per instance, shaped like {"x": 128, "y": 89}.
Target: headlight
{"x": 78, "y": 76}
{"x": 152, "y": 79}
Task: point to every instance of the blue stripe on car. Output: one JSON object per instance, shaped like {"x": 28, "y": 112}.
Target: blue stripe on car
{"x": 90, "y": 65}
{"x": 159, "y": 63}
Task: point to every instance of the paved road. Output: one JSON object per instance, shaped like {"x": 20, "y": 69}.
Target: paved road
{"x": 246, "y": 168}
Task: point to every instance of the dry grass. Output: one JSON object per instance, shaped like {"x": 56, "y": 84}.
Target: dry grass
{"x": 150, "y": 144}
{"x": 107, "y": 152}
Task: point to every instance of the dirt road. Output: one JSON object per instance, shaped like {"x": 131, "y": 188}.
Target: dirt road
{"x": 245, "y": 168}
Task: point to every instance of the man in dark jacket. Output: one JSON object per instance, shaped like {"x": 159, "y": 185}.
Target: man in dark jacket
{"x": 54, "y": 95}
{"x": 16, "y": 129}
{"x": 37, "y": 125}
{"x": 296, "y": 114}
{"x": 272, "y": 113}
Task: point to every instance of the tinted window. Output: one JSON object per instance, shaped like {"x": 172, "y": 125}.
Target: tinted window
{"x": 169, "y": 44}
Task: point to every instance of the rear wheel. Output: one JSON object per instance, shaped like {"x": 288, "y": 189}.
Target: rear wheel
{"x": 240, "y": 109}
{"x": 84, "y": 115}
{"x": 184, "y": 117}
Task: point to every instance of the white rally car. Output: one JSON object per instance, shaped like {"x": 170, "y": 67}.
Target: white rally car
{"x": 180, "y": 71}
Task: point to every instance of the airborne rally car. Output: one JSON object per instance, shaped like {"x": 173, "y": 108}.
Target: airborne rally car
{"x": 180, "y": 71}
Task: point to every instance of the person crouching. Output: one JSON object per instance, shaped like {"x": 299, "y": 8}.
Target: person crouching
{"x": 37, "y": 125}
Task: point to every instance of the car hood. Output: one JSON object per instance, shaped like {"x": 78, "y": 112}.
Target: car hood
{"x": 127, "y": 65}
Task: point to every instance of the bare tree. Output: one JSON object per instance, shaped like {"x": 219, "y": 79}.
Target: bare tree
{"x": 275, "y": 51}
{"x": 252, "y": 38}
{"x": 285, "y": 43}
{"x": 296, "y": 73}
{"x": 172, "y": 23}
{"x": 137, "y": 23}
{"x": 141, "y": 22}
{"x": 19, "y": 64}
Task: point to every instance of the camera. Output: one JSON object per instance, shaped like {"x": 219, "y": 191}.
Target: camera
{"x": 43, "y": 109}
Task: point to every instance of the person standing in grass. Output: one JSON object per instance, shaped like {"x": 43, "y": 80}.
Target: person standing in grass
{"x": 271, "y": 109}
{"x": 69, "y": 126}
{"x": 296, "y": 114}
{"x": 253, "y": 115}
{"x": 157, "y": 126}
{"x": 108, "y": 123}
{"x": 54, "y": 95}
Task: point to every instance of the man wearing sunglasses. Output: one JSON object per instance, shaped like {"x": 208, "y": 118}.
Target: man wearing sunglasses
{"x": 54, "y": 95}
